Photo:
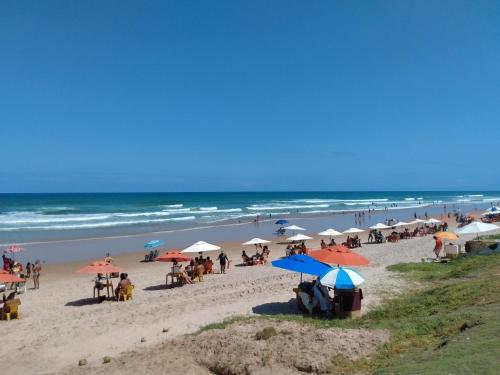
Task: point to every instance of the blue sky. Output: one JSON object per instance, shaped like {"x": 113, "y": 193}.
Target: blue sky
{"x": 249, "y": 95}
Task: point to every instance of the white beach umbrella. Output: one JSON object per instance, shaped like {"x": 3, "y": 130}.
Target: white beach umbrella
{"x": 417, "y": 221}
{"x": 200, "y": 247}
{"x": 432, "y": 221}
{"x": 379, "y": 226}
{"x": 493, "y": 210}
{"x": 255, "y": 241}
{"x": 401, "y": 224}
{"x": 294, "y": 227}
{"x": 330, "y": 232}
{"x": 477, "y": 227}
{"x": 353, "y": 230}
{"x": 299, "y": 237}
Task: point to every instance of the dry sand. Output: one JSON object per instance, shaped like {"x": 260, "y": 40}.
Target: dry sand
{"x": 242, "y": 348}
{"x": 60, "y": 325}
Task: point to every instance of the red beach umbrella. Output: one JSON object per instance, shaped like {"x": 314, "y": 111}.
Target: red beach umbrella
{"x": 171, "y": 256}
{"x": 99, "y": 266}
{"x": 6, "y": 277}
{"x": 339, "y": 255}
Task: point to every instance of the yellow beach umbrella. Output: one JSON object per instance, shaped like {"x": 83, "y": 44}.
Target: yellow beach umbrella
{"x": 446, "y": 235}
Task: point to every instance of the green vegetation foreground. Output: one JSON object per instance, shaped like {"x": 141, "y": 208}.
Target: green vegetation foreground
{"x": 448, "y": 325}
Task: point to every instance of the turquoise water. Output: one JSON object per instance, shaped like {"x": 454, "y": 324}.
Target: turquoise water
{"x": 31, "y": 217}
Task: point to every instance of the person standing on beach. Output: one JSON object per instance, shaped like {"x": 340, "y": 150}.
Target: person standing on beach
{"x": 438, "y": 246}
{"x": 37, "y": 268}
{"x": 223, "y": 260}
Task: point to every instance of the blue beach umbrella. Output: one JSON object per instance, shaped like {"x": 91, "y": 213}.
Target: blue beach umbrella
{"x": 281, "y": 222}
{"x": 303, "y": 264}
{"x": 153, "y": 244}
{"x": 342, "y": 278}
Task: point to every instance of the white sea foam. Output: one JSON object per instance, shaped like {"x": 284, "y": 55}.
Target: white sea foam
{"x": 173, "y": 205}
{"x": 175, "y": 210}
{"x": 409, "y": 199}
{"x": 338, "y": 200}
{"x": 97, "y": 225}
{"x": 34, "y": 218}
{"x": 317, "y": 212}
{"x": 285, "y": 207}
{"x": 218, "y": 211}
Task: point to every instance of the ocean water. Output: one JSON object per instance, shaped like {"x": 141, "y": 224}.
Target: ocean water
{"x": 39, "y": 217}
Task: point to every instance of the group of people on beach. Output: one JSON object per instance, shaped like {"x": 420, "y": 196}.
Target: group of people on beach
{"x": 198, "y": 267}
{"x": 258, "y": 258}
{"x": 32, "y": 270}
{"x": 293, "y": 249}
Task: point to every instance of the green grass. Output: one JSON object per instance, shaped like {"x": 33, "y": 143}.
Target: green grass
{"x": 449, "y": 325}
{"x": 221, "y": 325}
{"x": 461, "y": 267}
{"x": 490, "y": 237}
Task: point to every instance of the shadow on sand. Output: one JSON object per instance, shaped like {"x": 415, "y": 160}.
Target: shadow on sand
{"x": 86, "y": 301}
{"x": 160, "y": 287}
{"x": 276, "y": 308}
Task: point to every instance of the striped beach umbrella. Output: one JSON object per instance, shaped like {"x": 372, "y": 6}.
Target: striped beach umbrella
{"x": 342, "y": 278}
{"x": 13, "y": 249}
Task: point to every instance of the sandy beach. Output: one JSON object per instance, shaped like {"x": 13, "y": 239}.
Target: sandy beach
{"x": 61, "y": 324}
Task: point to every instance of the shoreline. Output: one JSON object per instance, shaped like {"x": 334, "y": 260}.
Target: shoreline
{"x": 68, "y": 250}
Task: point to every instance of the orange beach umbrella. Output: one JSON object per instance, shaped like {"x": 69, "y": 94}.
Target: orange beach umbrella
{"x": 99, "y": 266}
{"x": 171, "y": 256}
{"x": 6, "y": 277}
{"x": 339, "y": 255}
{"x": 446, "y": 235}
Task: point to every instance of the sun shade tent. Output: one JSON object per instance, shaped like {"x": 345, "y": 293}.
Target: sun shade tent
{"x": 173, "y": 256}
{"x": 380, "y": 226}
{"x": 330, "y": 232}
{"x": 256, "y": 241}
{"x": 342, "y": 278}
{"x": 281, "y": 222}
{"x": 353, "y": 230}
{"x": 477, "y": 227}
{"x": 339, "y": 255}
{"x": 303, "y": 264}
{"x": 299, "y": 237}
{"x": 200, "y": 247}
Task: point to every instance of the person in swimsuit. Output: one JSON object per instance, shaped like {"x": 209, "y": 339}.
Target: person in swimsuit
{"x": 37, "y": 268}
